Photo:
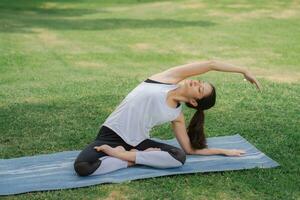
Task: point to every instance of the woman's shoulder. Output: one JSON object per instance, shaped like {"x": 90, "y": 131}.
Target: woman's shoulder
{"x": 162, "y": 78}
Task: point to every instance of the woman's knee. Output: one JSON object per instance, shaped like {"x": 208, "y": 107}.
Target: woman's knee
{"x": 178, "y": 154}
{"x": 86, "y": 168}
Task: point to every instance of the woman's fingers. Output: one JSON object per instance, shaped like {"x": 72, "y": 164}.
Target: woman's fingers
{"x": 252, "y": 80}
{"x": 240, "y": 152}
{"x": 235, "y": 152}
{"x": 256, "y": 82}
{"x": 258, "y": 86}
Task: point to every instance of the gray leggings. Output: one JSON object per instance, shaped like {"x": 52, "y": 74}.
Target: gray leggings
{"x": 89, "y": 161}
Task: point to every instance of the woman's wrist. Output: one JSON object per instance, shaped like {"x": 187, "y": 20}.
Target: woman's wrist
{"x": 226, "y": 67}
{"x": 225, "y": 152}
{"x": 244, "y": 71}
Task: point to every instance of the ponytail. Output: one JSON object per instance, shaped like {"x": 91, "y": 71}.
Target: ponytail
{"x": 196, "y": 130}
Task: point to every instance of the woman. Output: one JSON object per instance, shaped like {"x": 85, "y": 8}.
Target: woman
{"x": 123, "y": 139}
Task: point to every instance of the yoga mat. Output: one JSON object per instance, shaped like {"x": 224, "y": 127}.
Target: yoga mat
{"x": 55, "y": 171}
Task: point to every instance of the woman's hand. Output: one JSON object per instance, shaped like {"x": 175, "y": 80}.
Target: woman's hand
{"x": 248, "y": 76}
{"x": 234, "y": 152}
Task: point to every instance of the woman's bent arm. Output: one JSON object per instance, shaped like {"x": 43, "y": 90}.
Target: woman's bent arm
{"x": 213, "y": 151}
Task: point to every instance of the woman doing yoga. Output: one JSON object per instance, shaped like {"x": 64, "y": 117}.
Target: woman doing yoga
{"x": 123, "y": 139}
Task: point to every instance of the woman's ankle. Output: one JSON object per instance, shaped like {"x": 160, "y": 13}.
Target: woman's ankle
{"x": 129, "y": 163}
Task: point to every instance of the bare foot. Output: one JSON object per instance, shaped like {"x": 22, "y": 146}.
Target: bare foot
{"x": 129, "y": 163}
{"x": 114, "y": 151}
{"x": 152, "y": 149}
{"x": 110, "y": 150}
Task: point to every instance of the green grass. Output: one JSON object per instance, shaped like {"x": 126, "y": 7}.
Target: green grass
{"x": 65, "y": 66}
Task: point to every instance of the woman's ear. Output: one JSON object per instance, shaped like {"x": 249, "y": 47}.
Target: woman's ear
{"x": 193, "y": 102}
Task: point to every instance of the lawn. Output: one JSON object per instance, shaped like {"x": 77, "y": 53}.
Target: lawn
{"x": 65, "y": 65}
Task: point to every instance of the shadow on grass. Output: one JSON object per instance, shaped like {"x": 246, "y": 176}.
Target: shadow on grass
{"x": 26, "y": 25}
{"x": 37, "y": 3}
{"x": 20, "y": 17}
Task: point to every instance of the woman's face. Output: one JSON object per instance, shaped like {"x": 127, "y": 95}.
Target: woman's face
{"x": 197, "y": 89}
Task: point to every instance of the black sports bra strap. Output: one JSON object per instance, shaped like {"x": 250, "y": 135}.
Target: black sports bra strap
{"x": 152, "y": 81}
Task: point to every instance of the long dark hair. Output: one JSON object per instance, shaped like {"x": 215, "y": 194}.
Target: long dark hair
{"x": 195, "y": 129}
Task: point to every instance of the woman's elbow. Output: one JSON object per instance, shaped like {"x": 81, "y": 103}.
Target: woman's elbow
{"x": 212, "y": 64}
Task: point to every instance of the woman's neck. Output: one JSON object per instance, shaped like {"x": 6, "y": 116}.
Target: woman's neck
{"x": 177, "y": 95}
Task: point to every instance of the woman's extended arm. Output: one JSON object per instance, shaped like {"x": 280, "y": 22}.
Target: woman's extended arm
{"x": 201, "y": 67}
{"x": 213, "y": 151}
{"x": 226, "y": 67}
{"x": 179, "y": 129}
{"x": 181, "y": 72}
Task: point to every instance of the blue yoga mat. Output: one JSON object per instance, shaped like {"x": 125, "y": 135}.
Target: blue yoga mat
{"x": 55, "y": 171}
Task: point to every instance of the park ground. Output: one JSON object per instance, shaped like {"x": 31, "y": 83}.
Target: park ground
{"x": 65, "y": 65}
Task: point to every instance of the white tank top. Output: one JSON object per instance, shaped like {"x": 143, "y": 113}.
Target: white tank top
{"x": 143, "y": 108}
